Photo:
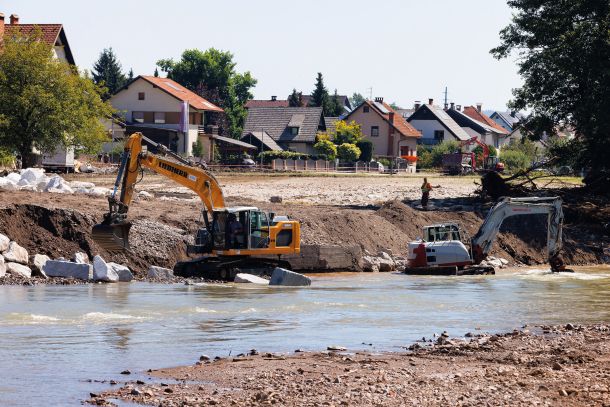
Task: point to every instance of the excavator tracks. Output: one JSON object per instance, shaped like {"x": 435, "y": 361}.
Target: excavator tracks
{"x": 225, "y": 268}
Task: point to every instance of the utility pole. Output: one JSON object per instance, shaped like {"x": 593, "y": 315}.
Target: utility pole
{"x": 446, "y": 101}
{"x": 370, "y": 89}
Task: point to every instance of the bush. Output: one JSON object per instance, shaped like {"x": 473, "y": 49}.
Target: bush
{"x": 525, "y": 145}
{"x": 432, "y": 156}
{"x": 347, "y": 133}
{"x": 326, "y": 148}
{"x": 566, "y": 152}
{"x": 269, "y": 156}
{"x": 197, "y": 148}
{"x": 7, "y": 159}
{"x": 515, "y": 160}
{"x": 366, "y": 148}
{"x": 424, "y": 157}
{"x": 348, "y": 152}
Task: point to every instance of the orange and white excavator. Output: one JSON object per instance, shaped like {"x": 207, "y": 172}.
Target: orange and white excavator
{"x": 446, "y": 249}
{"x": 232, "y": 237}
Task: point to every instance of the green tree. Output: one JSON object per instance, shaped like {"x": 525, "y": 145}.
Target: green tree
{"x": 319, "y": 96}
{"x": 130, "y": 75}
{"x": 107, "y": 72}
{"x": 334, "y": 107}
{"x": 156, "y": 74}
{"x": 295, "y": 99}
{"x": 212, "y": 74}
{"x": 327, "y": 148}
{"x": 350, "y": 133}
{"x": 356, "y": 99}
{"x": 348, "y": 152}
{"x": 45, "y": 102}
{"x": 563, "y": 50}
{"x": 394, "y": 106}
{"x": 198, "y": 148}
{"x": 515, "y": 160}
{"x": 366, "y": 148}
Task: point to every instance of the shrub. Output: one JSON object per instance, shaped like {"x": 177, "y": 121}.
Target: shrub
{"x": 348, "y": 152}
{"x": 269, "y": 156}
{"x": 197, "y": 148}
{"x": 432, "y": 156}
{"x": 326, "y": 148}
{"x": 349, "y": 133}
{"x": 322, "y": 136}
{"x": 366, "y": 150}
{"x": 515, "y": 160}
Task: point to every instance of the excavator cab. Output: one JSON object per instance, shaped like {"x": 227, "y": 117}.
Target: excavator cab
{"x": 241, "y": 228}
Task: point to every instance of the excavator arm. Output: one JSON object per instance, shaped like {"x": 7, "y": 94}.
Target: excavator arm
{"x": 112, "y": 233}
{"x": 507, "y": 207}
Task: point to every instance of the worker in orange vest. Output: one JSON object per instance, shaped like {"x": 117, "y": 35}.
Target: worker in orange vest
{"x": 425, "y": 193}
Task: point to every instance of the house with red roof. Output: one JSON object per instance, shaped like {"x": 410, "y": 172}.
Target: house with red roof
{"x": 391, "y": 135}
{"x": 52, "y": 34}
{"x": 168, "y": 113}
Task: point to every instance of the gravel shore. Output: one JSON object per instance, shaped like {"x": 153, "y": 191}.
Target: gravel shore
{"x": 546, "y": 365}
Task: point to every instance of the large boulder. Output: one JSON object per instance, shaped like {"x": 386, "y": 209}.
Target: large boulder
{"x": 250, "y": 278}
{"x": 103, "y": 272}
{"x": 2, "y": 267}
{"x": 369, "y": 264}
{"x": 385, "y": 261}
{"x": 16, "y": 254}
{"x": 58, "y": 268}
{"x": 17, "y": 269}
{"x": 285, "y": 277}
{"x": 4, "y": 242}
{"x": 7, "y": 185}
{"x": 80, "y": 257}
{"x": 37, "y": 263}
{"x": 160, "y": 273}
{"x": 125, "y": 275}
{"x": 58, "y": 185}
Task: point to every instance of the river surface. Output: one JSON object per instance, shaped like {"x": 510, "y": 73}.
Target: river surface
{"x": 54, "y": 338}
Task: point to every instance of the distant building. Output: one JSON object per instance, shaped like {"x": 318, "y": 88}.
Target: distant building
{"x": 52, "y": 34}
{"x": 390, "y": 133}
{"x": 507, "y": 120}
{"x": 474, "y": 122}
{"x": 436, "y": 125}
{"x": 306, "y": 99}
{"x": 290, "y": 128}
{"x": 168, "y": 113}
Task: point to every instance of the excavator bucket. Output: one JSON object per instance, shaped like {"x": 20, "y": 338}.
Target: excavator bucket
{"x": 113, "y": 238}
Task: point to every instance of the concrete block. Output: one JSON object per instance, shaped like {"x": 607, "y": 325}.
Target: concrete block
{"x": 19, "y": 270}
{"x": 4, "y": 242}
{"x": 125, "y": 275}
{"x": 37, "y": 262}
{"x": 160, "y": 273}
{"x": 102, "y": 271}
{"x": 250, "y": 278}
{"x": 16, "y": 254}
{"x": 285, "y": 277}
{"x": 326, "y": 257}
{"x": 57, "y": 268}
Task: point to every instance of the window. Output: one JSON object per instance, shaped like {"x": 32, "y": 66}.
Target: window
{"x": 137, "y": 117}
{"x": 294, "y": 131}
{"x": 365, "y": 109}
{"x": 439, "y": 134}
{"x": 160, "y": 117}
{"x": 140, "y": 95}
{"x": 374, "y": 131}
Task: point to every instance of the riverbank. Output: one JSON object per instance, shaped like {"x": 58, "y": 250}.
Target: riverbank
{"x": 564, "y": 365}
{"x": 335, "y": 237}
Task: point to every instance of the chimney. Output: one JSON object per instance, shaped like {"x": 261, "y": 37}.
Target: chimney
{"x": 513, "y": 113}
{"x": 14, "y": 19}
{"x": 417, "y": 104}
{"x": 1, "y": 26}
{"x": 274, "y": 98}
{"x": 459, "y": 108}
{"x": 430, "y": 101}
{"x": 479, "y": 106}
{"x": 391, "y": 117}
{"x": 446, "y": 107}
{"x": 452, "y": 106}
{"x": 378, "y": 99}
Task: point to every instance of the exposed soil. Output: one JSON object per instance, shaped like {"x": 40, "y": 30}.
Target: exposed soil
{"x": 41, "y": 223}
{"x": 550, "y": 366}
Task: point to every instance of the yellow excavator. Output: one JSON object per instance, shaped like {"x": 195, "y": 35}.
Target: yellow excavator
{"x": 231, "y": 239}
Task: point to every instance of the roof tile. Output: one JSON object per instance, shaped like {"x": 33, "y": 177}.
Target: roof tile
{"x": 181, "y": 93}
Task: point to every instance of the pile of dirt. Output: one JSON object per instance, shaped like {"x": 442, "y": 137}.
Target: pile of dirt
{"x": 63, "y": 232}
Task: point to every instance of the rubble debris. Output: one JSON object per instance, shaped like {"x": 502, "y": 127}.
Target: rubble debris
{"x": 160, "y": 273}
{"x": 81, "y": 258}
{"x": 37, "y": 263}
{"x": 125, "y": 275}
{"x": 4, "y": 242}
{"x": 2, "y": 267}
{"x": 16, "y": 253}
{"x": 103, "y": 272}
{"x": 35, "y": 179}
{"x": 18, "y": 269}
{"x": 58, "y": 268}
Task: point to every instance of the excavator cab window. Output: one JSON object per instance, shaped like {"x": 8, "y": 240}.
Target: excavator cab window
{"x": 442, "y": 233}
{"x": 259, "y": 230}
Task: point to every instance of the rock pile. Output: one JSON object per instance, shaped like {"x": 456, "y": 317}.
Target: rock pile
{"x": 35, "y": 179}
{"x": 383, "y": 261}
{"x": 16, "y": 262}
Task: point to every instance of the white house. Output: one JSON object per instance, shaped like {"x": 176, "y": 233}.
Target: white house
{"x": 436, "y": 125}
{"x": 157, "y": 107}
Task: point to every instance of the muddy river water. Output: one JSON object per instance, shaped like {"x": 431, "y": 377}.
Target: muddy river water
{"x": 53, "y": 339}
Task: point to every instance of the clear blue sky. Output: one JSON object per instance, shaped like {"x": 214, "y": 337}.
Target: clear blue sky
{"x": 405, "y": 50}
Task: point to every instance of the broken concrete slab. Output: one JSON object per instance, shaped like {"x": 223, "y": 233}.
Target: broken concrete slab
{"x": 80, "y": 257}
{"x": 37, "y": 262}
{"x": 285, "y": 277}
{"x": 250, "y": 278}
{"x": 58, "y": 268}
{"x": 125, "y": 275}
{"x": 16, "y": 254}
{"x": 160, "y": 273}
{"x": 4, "y": 242}
{"x": 103, "y": 272}
{"x": 2, "y": 267}
{"x": 19, "y": 270}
